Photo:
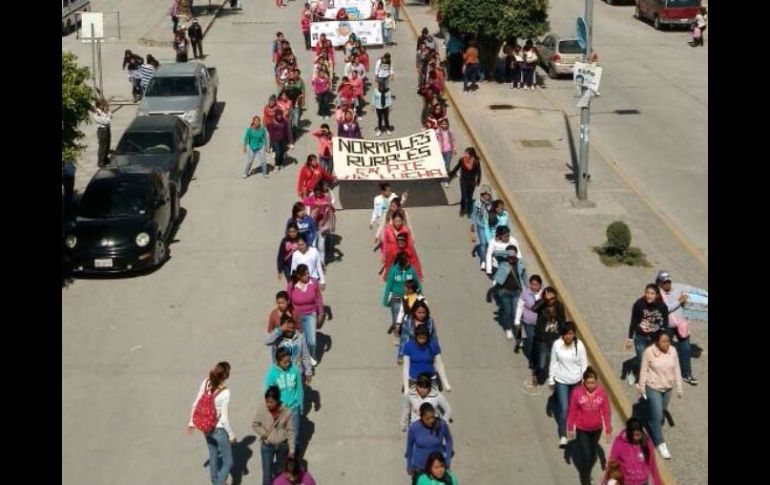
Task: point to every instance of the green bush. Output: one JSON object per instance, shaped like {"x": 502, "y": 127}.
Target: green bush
{"x": 617, "y": 250}
{"x": 618, "y": 237}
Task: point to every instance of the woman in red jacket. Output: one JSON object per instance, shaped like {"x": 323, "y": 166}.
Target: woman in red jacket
{"x": 589, "y": 413}
{"x": 391, "y": 232}
{"x": 310, "y": 175}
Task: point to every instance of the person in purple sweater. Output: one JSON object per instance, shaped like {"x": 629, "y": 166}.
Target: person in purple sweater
{"x": 529, "y": 297}
{"x": 280, "y": 137}
{"x": 293, "y": 474}
{"x": 427, "y": 435}
{"x": 349, "y": 127}
{"x": 308, "y": 304}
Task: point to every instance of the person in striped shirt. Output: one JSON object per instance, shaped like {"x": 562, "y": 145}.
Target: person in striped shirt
{"x": 147, "y": 70}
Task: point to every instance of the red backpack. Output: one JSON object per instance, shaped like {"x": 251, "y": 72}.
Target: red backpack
{"x": 205, "y": 415}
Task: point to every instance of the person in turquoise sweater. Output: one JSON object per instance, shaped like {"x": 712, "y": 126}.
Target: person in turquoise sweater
{"x": 394, "y": 292}
{"x": 288, "y": 378}
{"x": 436, "y": 472}
{"x": 255, "y": 143}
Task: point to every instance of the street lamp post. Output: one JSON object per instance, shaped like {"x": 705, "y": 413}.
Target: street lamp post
{"x": 585, "y": 111}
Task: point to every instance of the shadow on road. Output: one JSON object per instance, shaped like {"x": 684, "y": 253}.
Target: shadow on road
{"x": 241, "y": 455}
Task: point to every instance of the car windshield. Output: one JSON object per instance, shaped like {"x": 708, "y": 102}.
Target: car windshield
{"x": 172, "y": 86}
{"x": 145, "y": 143}
{"x": 570, "y": 47}
{"x": 115, "y": 199}
{"x": 682, "y": 3}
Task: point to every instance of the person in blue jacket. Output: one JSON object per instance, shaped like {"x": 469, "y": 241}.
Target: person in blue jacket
{"x": 427, "y": 435}
{"x": 305, "y": 224}
{"x": 395, "y": 291}
{"x": 479, "y": 223}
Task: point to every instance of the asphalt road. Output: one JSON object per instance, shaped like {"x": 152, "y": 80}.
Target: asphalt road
{"x": 135, "y": 349}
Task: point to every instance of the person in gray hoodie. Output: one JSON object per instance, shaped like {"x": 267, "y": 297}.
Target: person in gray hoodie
{"x": 286, "y": 336}
{"x": 275, "y": 430}
{"x": 423, "y": 391}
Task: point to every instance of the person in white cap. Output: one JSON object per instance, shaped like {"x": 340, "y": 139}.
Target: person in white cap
{"x": 196, "y": 38}
{"x": 675, "y": 299}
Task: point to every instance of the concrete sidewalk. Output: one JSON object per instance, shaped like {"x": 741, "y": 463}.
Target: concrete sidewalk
{"x": 539, "y": 178}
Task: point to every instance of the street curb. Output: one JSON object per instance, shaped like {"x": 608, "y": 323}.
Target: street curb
{"x": 168, "y": 43}
{"x": 607, "y": 374}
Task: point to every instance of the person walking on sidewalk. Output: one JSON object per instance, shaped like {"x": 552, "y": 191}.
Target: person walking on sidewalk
{"x": 307, "y": 301}
{"x": 280, "y": 138}
{"x": 568, "y": 363}
{"x": 214, "y": 393}
{"x": 103, "y": 118}
{"x": 528, "y": 317}
{"x": 508, "y": 282}
{"x": 633, "y": 450}
{"x": 181, "y": 45}
{"x": 195, "y": 32}
{"x": 479, "y": 219}
{"x": 174, "y": 13}
{"x": 678, "y": 323}
{"x": 528, "y": 67}
{"x": 437, "y": 472}
{"x": 500, "y": 242}
{"x": 470, "y": 177}
{"x": 648, "y": 315}
{"x": 382, "y": 101}
{"x": 446, "y": 140}
{"x": 254, "y": 144}
{"x": 428, "y": 435}
{"x": 288, "y": 379}
{"x": 471, "y": 68}
{"x": 517, "y": 61}
{"x": 588, "y": 414}
{"x": 273, "y": 425}
{"x": 133, "y": 62}
{"x": 658, "y": 376}
{"x": 422, "y": 392}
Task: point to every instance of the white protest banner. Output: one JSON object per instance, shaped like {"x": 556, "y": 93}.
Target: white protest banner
{"x": 411, "y": 157}
{"x": 368, "y": 31}
{"x": 588, "y": 75}
{"x": 356, "y": 9}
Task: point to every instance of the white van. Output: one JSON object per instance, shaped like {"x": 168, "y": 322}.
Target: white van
{"x": 68, "y": 10}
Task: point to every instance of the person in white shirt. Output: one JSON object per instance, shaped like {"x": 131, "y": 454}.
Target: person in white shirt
{"x": 356, "y": 66}
{"x": 383, "y": 70}
{"x": 219, "y": 440}
{"x": 501, "y": 241}
{"x": 381, "y": 203}
{"x": 423, "y": 391}
{"x": 309, "y": 256}
{"x": 103, "y": 118}
{"x": 568, "y": 362}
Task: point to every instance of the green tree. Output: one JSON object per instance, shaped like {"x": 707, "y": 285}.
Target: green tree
{"x": 492, "y": 22}
{"x": 76, "y": 103}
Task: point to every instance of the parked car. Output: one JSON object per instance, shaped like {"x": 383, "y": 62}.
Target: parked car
{"x": 124, "y": 221}
{"x": 667, "y": 13}
{"x": 162, "y": 141}
{"x": 184, "y": 89}
{"x": 559, "y": 54}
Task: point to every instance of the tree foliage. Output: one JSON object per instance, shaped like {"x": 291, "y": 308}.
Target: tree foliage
{"x": 492, "y": 22}
{"x": 76, "y": 104}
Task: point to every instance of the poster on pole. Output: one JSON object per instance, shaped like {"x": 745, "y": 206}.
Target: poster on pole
{"x": 369, "y": 31}
{"x": 410, "y": 157}
{"x": 356, "y": 9}
{"x": 89, "y": 19}
{"x": 587, "y": 75}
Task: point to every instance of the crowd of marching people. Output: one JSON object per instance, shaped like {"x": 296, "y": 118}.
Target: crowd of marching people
{"x": 530, "y": 314}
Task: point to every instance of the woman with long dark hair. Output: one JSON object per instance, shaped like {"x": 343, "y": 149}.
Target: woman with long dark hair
{"x": 423, "y": 355}
{"x": 565, "y": 372}
{"x": 273, "y": 425}
{"x": 648, "y": 315}
{"x": 436, "y": 472}
{"x": 286, "y": 249}
{"x": 418, "y": 316}
{"x": 395, "y": 291}
{"x": 308, "y": 304}
{"x": 588, "y": 414}
{"x": 550, "y": 320}
{"x": 633, "y": 450}
{"x": 428, "y": 435}
{"x": 470, "y": 176}
{"x": 220, "y": 438}
{"x": 304, "y": 222}
{"x": 294, "y": 474}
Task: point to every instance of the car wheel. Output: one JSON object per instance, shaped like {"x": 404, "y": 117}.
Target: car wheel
{"x": 201, "y": 138}
{"x": 552, "y": 72}
{"x": 656, "y": 23}
{"x": 160, "y": 251}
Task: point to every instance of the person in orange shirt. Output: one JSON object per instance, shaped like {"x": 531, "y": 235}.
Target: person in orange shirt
{"x": 396, "y": 5}
{"x": 471, "y": 67}
{"x": 310, "y": 175}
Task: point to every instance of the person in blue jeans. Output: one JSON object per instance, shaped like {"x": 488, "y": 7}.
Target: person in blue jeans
{"x": 678, "y": 323}
{"x": 427, "y": 435}
{"x": 509, "y": 280}
{"x": 395, "y": 291}
{"x": 255, "y": 144}
{"x": 288, "y": 378}
{"x": 480, "y": 222}
{"x": 568, "y": 363}
{"x": 648, "y": 315}
{"x": 273, "y": 424}
{"x": 220, "y": 439}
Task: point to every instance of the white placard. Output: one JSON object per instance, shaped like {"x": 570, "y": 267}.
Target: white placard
{"x": 369, "y": 31}
{"x": 588, "y": 75}
{"x": 356, "y": 9}
{"x": 88, "y": 19}
{"x": 410, "y": 157}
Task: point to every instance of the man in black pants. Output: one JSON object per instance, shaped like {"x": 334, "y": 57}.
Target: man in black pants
{"x": 382, "y": 102}
{"x": 196, "y": 38}
{"x": 103, "y": 119}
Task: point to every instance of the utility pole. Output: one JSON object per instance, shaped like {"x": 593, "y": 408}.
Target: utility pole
{"x": 585, "y": 111}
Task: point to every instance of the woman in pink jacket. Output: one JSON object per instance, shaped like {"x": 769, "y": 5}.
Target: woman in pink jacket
{"x": 634, "y": 450}
{"x": 589, "y": 413}
{"x": 308, "y": 304}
